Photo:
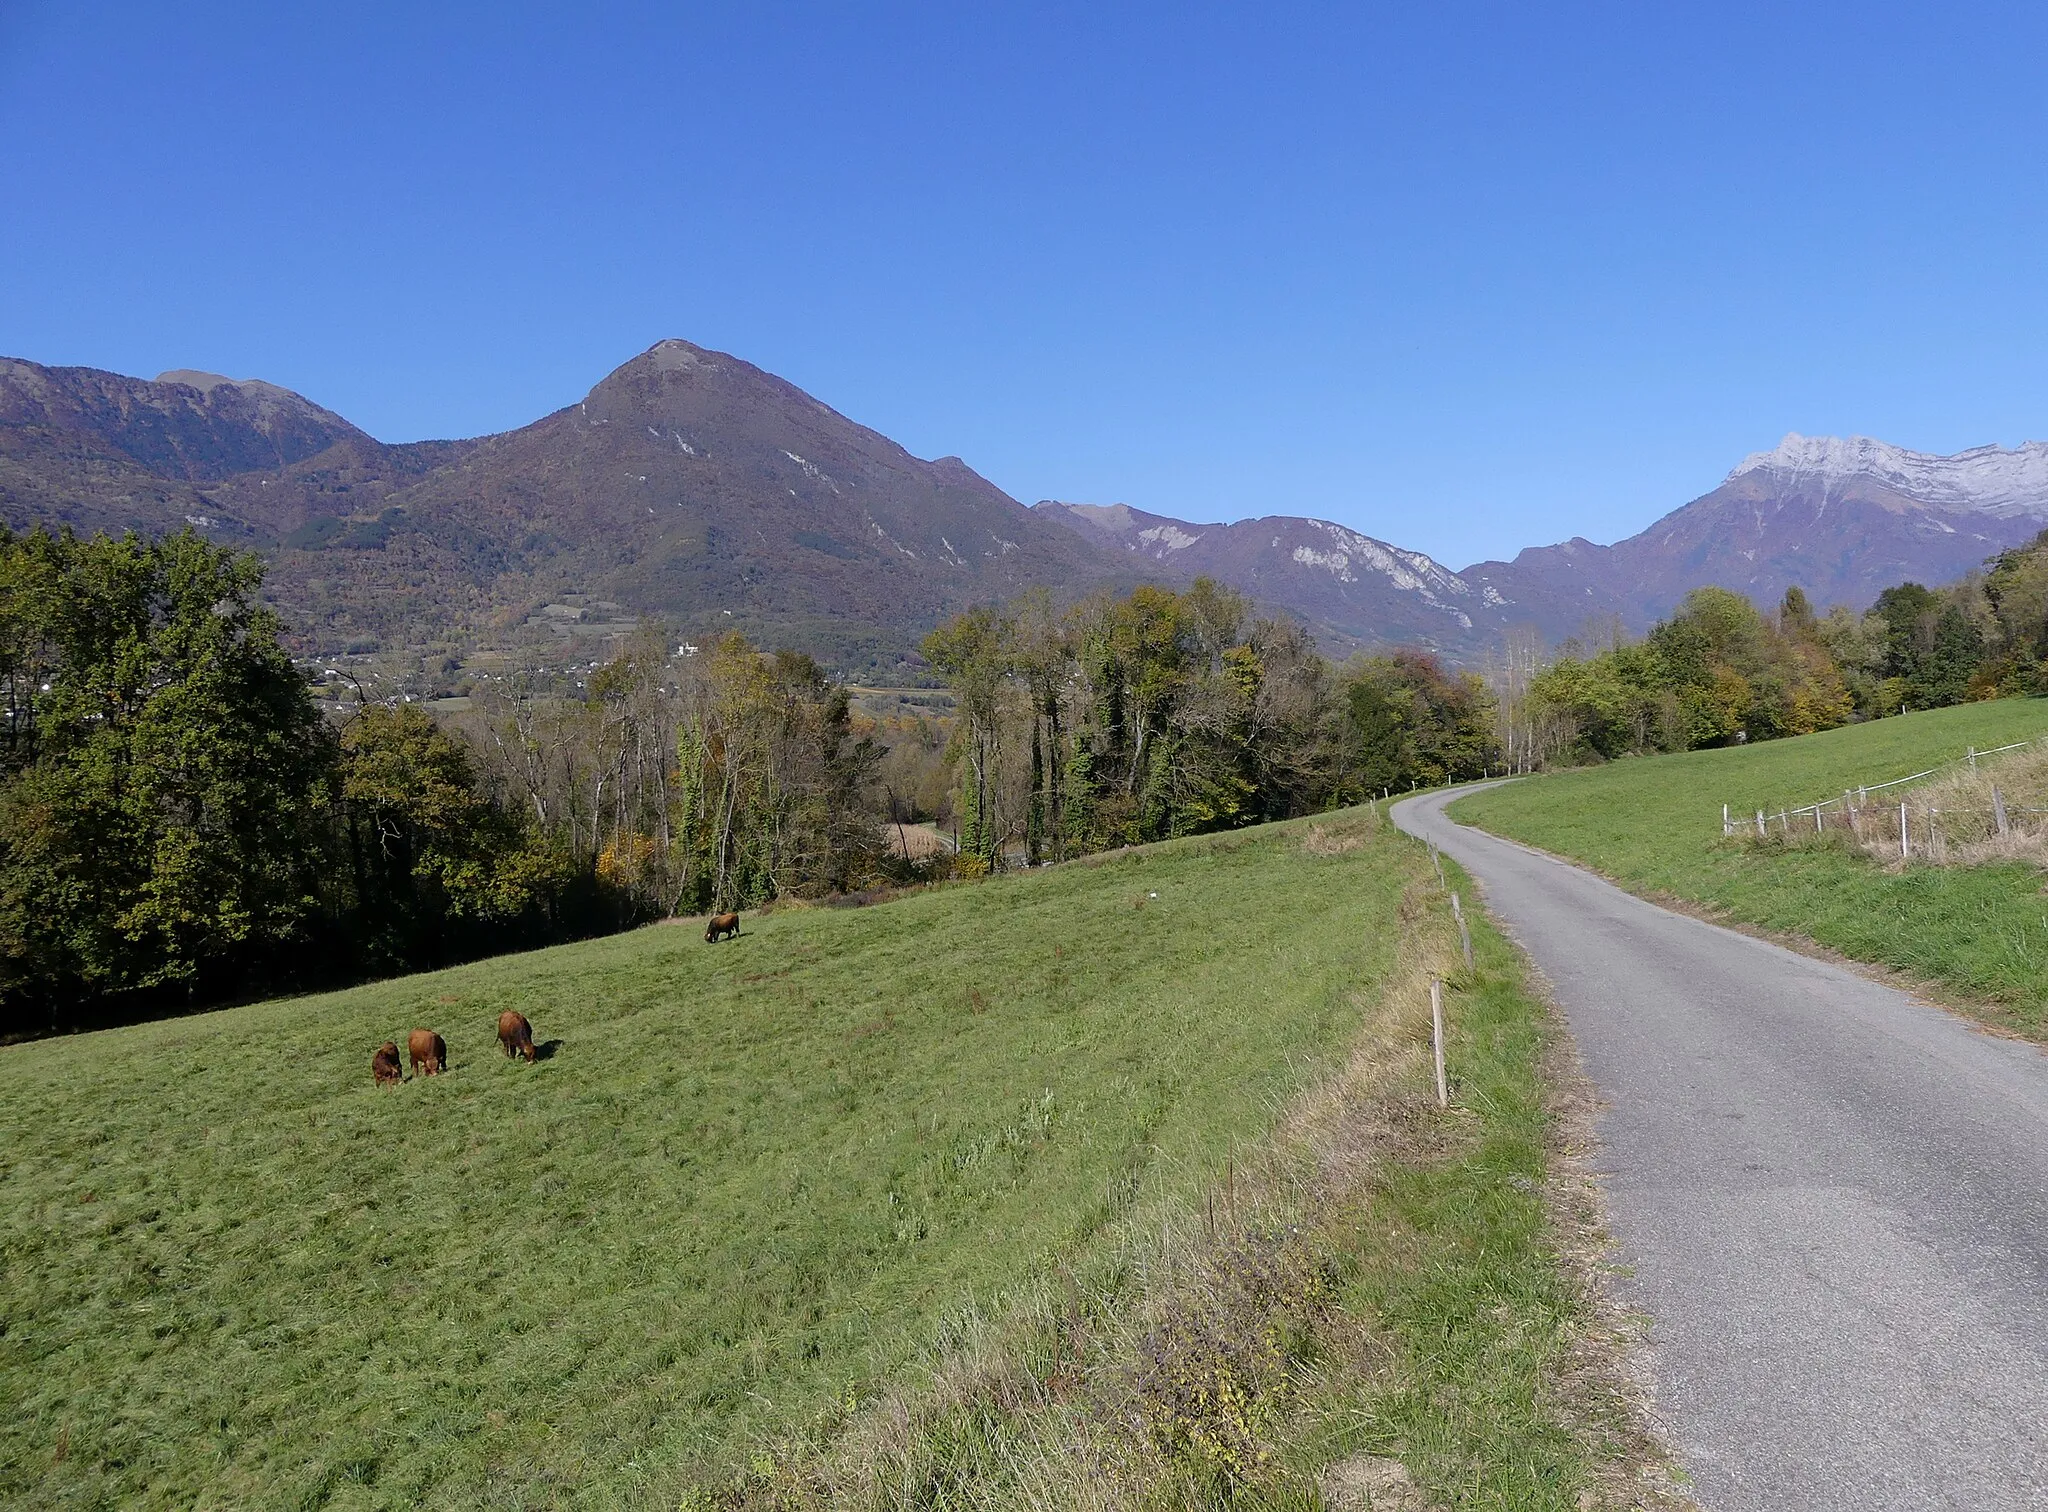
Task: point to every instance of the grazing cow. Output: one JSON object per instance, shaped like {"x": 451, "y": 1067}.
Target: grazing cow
{"x": 384, "y": 1064}
{"x": 515, "y": 1034}
{"x": 429, "y": 1052}
{"x": 721, "y": 926}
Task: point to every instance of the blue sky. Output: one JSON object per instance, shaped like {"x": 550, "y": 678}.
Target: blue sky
{"x": 1468, "y": 277}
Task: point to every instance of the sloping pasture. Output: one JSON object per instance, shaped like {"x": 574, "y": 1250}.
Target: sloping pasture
{"x": 745, "y": 1184}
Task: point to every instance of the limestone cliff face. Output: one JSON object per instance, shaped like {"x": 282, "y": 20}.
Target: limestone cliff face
{"x": 1994, "y": 480}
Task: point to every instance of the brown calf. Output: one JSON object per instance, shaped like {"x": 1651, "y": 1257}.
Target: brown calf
{"x": 384, "y": 1064}
{"x": 719, "y": 927}
{"x": 515, "y": 1034}
{"x": 429, "y": 1052}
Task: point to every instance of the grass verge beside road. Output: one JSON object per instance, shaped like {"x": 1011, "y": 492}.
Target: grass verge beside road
{"x": 1977, "y": 935}
{"x": 1127, "y": 1164}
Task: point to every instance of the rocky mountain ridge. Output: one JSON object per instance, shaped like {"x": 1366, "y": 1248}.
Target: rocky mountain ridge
{"x": 1992, "y": 480}
{"x": 1351, "y": 586}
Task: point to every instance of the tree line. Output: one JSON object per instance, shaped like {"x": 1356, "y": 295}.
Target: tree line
{"x": 1165, "y": 713}
{"x": 180, "y": 824}
{"x": 1720, "y": 671}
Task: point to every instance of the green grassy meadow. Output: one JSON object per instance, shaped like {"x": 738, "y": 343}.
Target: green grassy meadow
{"x": 743, "y": 1193}
{"x": 1654, "y": 824}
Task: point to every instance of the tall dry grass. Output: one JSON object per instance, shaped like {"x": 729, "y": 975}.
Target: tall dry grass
{"x": 1957, "y": 811}
{"x": 1950, "y": 819}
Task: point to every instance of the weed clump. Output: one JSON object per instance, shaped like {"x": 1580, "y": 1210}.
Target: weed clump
{"x": 1213, "y": 1373}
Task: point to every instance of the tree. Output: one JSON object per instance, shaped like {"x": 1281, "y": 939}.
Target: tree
{"x": 438, "y": 868}
{"x": 1417, "y": 724}
{"x": 2016, "y": 596}
{"x": 1954, "y": 649}
{"x": 973, "y": 650}
{"x": 1795, "y": 614}
{"x": 1042, "y": 657}
{"x": 771, "y": 781}
{"x": 167, "y": 778}
{"x": 1857, "y": 647}
{"x": 1934, "y": 648}
{"x": 1909, "y": 612}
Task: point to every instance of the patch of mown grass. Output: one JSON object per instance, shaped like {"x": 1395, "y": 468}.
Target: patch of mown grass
{"x": 1654, "y": 824}
{"x": 747, "y": 1186}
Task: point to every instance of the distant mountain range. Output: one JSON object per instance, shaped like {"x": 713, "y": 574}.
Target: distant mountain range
{"x": 1843, "y": 519}
{"x": 694, "y": 486}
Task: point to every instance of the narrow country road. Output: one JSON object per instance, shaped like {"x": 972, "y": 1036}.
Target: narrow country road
{"x": 1834, "y": 1200}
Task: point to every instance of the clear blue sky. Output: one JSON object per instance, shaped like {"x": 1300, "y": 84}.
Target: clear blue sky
{"x": 1466, "y": 277}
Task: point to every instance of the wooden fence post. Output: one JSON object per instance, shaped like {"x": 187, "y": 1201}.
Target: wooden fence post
{"x": 1760, "y": 822}
{"x": 1905, "y": 841}
{"x": 1724, "y": 821}
{"x": 1464, "y": 930}
{"x": 1998, "y": 811}
{"x": 1436, "y": 1022}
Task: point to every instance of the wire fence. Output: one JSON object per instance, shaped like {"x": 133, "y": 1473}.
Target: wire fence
{"x": 1882, "y": 820}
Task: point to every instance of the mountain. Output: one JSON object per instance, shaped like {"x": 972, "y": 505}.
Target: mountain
{"x": 240, "y": 459}
{"x": 693, "y": 486}
{"x": 1843, "y": 519}
{"x": 1352, "y": 588}
{"x": 687, "y": 484}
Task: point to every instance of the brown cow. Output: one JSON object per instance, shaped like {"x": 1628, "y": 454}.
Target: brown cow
{"x": 719, "y": 927}
{"x": 515, "y": 1034}
{"x": 429, "y": 1052}
{"x": 384, "y": 1064}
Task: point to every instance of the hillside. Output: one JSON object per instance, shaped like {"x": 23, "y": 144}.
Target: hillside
{"x": 245, "y": 461}
{"x": 1976, "y": 933}
{"x": 752, "y": 1192}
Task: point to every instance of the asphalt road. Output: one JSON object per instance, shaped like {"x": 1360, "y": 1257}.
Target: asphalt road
{"x": 1834, "y": 1199}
